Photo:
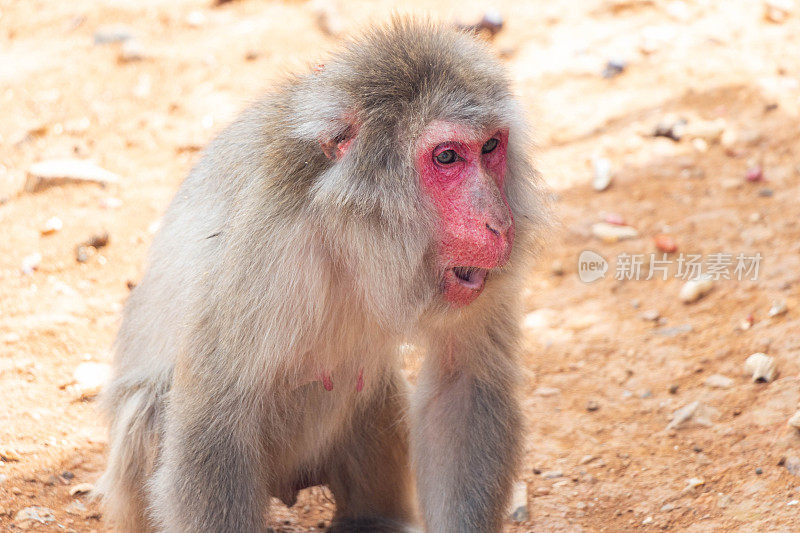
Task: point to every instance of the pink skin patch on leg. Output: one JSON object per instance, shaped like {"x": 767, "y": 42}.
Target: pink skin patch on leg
{"x": 360, "y": 380}
{"x": 327, "y": 382}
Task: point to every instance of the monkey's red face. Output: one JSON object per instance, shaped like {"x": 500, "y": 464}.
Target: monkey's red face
{"x": 462, "y": 171}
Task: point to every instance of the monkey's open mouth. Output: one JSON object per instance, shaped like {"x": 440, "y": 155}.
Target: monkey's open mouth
{"x": 470, "y": 277}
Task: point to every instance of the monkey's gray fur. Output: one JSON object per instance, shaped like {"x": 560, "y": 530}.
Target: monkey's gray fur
{"x": 274, "y": 264}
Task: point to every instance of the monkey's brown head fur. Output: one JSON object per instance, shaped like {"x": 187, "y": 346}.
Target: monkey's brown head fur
{"x": 414, "y": 161}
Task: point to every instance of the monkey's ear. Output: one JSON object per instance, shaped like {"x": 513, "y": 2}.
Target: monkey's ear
{"x": 324, "y": 114}
{"x": 335, "y": 148}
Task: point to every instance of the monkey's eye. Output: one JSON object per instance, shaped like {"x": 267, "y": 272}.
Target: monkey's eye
{"x": 446, "y": 157}
{"x": 489, "y": 145}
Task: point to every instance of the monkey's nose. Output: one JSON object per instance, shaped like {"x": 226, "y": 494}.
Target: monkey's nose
{"x": 501, "y": 237}
{"x": 498, "y": 228}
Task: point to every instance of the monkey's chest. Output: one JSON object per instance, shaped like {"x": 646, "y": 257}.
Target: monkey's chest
{"x": 322, "y": 412}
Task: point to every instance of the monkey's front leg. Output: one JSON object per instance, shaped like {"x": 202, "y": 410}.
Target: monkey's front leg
{"x": 211, "y": 475}
{"x": 466, "y": 438}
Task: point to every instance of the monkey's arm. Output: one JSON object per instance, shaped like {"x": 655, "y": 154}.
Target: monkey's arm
{"x": 467, "y": 431}
{"x": 211, "y": 478}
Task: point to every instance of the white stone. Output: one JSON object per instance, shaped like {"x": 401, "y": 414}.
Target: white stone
{"x": 52, "y": 225}
{"x": 602, "y": 173}
{"x": 695, "y": 289}
{"x": 55, "y": 172}
{"x": 696, "y": 411}
{"x": 31, "y": 262}
{"x": 519, "y": 502}
{"x": 36, "y": 513}
{"x": 90, "y": 378}
{"x": 761, "y": 367}
{"x": 778, "y": 308}
{"x": 547, "y": 391}
{"x": 81, "y": 488}
{"x": 613, "y": 232}
{"x": 718, "y": 381}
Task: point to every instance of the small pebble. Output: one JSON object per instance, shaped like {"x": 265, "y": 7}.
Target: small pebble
{"x": 759, "y": 471}
{"x": 547, "y": 391}
{"x": 602, "y": 173}
{"x": 89, "y": 379}
{"x": 612, "y": 233}
{"x": 694, "y": 482}
{"x": 792, "y": 465}
{"x": 708, "y": 131}
{"x": 754, "y": 174}
{"x": 98, "y": 240}
{"x": 9, "y": 455}
{"x": 696, "y": 411}
{"x": 614, "y": 218}
{"x": 761, "y": 367}
{"x": 718, "y": 381}
{"x": 132, "y": 50}
{"x": 729, "y": 138}
{"x": 592, "y": 405}
{"x": 651, "y": 315}
{"x": 778, "y": 308}
{"x": 701, "y": 145}
{"x": 614, "y": 67}
{"x": 519, "y": 502}
{"x": 56, "y": 172}
{"x": 112, "y": 34}
{"x": 30, "y": 263}
{"x": 674, "y": 331}
{"x": 195, "y": 19}
{"x": 52, "y": 225}
{"x": 766, "y": 192}
{"x": 672, "y": 128}
{"x": 110, "y": 202}
{"x": 695, "y": 289}
{"x": 25, "y": 517}
{"x": 83, "y": 253}
{"x": 552, "y": 474}
{"x": 665, "y": 243}
{"x": 81, "y": 488}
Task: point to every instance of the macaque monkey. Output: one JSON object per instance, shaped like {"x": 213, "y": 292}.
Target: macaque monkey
{"x": 383, "y": 198}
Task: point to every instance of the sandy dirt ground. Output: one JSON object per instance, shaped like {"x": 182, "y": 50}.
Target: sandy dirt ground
{"x": 606, "y": 364}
